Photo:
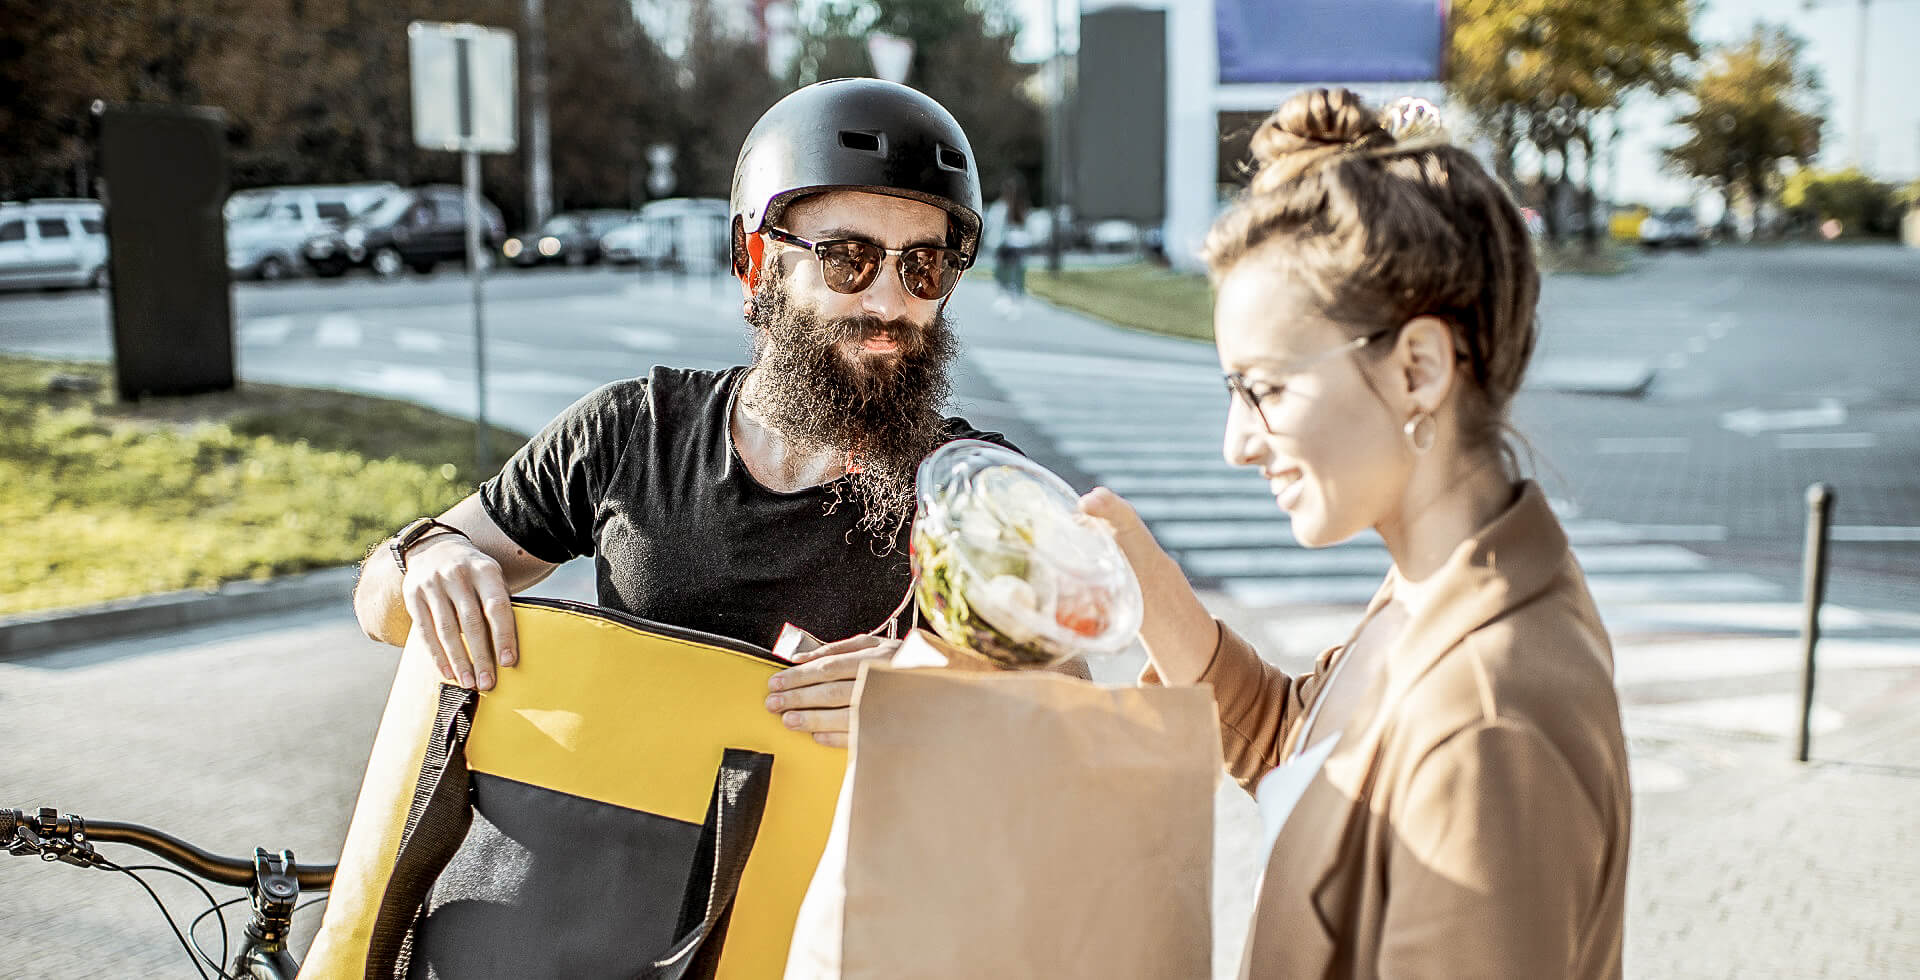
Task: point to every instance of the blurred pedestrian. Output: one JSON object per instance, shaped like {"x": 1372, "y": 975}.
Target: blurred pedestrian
{"x": 1006, "y": 235}
{"x": 1447, "y": 790}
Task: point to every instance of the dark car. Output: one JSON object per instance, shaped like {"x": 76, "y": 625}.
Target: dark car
{"x": 415, "y": 229}
{"x": 571, "y": 238}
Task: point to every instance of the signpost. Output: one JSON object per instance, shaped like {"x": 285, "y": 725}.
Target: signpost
{"x": 463, "y": 102}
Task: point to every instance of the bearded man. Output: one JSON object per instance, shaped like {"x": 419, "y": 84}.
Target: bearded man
{"x": 733, "y": 502}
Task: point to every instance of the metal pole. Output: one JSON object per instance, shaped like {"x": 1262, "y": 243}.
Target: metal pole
{"x": 1056, "y": 111}
{"x": 470, "y": 164}
{"x": 1819, "y": 519}
{"x": 540, "y": 130}
{"x": 1860, "y": 92}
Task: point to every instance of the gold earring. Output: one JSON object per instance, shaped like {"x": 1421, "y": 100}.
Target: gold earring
{"x": 1421, "y": 430}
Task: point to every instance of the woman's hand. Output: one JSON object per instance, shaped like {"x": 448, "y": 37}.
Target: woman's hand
{"x": 1175, "y": 627}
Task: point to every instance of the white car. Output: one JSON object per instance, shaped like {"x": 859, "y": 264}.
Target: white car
{"x": 1673, "y": 228}
{"x": 53, "y": 243}
{"x": 674, "y": 232}
{"x": 267, "y": 226}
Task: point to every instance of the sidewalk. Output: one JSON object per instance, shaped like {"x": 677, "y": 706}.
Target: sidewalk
{"x": 1744, "y": 863}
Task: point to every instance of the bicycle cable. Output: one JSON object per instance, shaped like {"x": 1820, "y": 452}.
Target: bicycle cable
{"x": 193, "y": 929}
{"x": 184, "y": 945}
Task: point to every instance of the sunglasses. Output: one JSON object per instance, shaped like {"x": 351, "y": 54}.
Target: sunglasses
{"x": 849, "y": 265}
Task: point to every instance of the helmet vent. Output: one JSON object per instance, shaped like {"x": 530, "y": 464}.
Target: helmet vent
{"x": 868, "y": 142}
{"x": 950, "y": 158}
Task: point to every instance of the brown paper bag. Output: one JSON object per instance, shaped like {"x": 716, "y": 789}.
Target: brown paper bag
{"x": 1016, "y": 824}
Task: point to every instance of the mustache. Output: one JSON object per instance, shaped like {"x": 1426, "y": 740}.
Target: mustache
{"x": 910, "y": 336}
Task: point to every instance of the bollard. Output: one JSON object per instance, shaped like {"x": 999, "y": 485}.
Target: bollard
{"x": 1819, "y": 519}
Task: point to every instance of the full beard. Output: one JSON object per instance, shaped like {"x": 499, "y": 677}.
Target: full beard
{"x": 884, "y": 413}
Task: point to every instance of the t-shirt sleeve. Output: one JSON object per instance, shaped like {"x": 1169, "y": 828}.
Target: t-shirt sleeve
{"x": 547, "y": 497}
{"x": 958, "y": 428}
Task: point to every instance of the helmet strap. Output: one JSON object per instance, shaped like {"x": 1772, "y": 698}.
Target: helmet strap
{"x": 756, "y": 260}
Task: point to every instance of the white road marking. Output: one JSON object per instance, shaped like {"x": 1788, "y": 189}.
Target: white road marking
{"x": 1877, "y": 534}
{"x": 400, "y": 378}
{"x": 339, "y": 330}
{"x": 644, "y": 338}
{"x": 266, "y": 330}
{"x": 1825, "y": 440}
{"x": 547, "y": 381}
{"x": 417, "y": 341}
{"x": 1751, "y": 421}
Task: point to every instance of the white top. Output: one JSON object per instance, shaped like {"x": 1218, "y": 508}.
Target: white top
{"x": 1280, "y": 790}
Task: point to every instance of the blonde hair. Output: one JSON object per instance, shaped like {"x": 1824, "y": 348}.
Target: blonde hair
{"x": 1387, "y": 224}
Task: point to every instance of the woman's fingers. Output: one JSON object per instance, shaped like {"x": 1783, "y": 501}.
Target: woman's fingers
{"x": 823, "y": 721}
{"x": 832, "y": 694}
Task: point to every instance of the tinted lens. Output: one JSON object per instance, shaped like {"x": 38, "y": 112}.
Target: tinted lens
{"x": 929, "y": 273}
{"x": 848, "y": 267}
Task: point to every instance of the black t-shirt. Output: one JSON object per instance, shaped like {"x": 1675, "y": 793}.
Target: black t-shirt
{"x": 642, "y": 475}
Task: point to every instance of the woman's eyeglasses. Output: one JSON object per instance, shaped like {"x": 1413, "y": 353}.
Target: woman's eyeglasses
{"x": 1256, "y": 395}
{"x": 849, "y": 265}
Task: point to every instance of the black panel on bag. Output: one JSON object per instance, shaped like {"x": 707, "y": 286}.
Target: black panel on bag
{"x": 551, "y": 885}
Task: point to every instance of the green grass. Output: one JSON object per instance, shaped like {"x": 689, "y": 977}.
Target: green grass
{"x": 101, "y": 500}
{"x": 1141, "y": 296}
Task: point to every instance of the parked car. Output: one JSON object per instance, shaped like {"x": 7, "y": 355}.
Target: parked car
{"x": 53, "y": 243}
{"x": 267, "y": 226}
{"x": 571, "y": 237}
{"x": 1674, "y": 228}
{"x": 414, "y": 229}
{"x": 672, "y": 232}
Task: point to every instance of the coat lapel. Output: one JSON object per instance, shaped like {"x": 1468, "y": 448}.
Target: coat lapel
{"x": 1509, "y": 562}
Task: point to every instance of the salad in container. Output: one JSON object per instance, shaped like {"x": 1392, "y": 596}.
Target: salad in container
{"x": 1008, "y": 567}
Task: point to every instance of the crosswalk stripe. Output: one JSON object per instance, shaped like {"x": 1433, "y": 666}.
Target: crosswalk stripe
{"x": 1187, "y": 507}
{"x": 266, "y": 330}
{"x": 1354, "y": 590}
{"x": 337, "y": 330}
{"x": 1605, "y": 559}
{"x": 1156, "y": 440}
{"x": 1128, "y": 484}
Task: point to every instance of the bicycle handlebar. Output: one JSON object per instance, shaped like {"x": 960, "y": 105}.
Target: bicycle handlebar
{"x": 238, "y": 872}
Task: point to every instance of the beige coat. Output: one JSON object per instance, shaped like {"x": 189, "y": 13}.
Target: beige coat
{"x": 1472, "y": 820}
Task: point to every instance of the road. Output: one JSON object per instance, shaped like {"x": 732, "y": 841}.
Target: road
{"x": 1679, "y": 411}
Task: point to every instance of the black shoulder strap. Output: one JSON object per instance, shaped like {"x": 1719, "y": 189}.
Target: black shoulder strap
{"x": 437, "y": 822}
{"x": 726, "y": 841}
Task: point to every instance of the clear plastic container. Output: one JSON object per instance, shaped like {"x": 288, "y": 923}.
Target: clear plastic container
{"x": 1007, "y": 565}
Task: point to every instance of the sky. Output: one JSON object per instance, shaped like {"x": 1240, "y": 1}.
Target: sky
{"x": 1891, "y": 149}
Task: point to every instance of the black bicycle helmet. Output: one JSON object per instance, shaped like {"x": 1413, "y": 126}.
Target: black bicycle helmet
{"x": 860, "y": 134}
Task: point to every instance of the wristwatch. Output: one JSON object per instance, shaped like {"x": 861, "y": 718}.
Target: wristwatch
{"x": 413, "y": 533}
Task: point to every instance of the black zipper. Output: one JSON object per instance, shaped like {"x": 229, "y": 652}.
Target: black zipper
{"x": 647, "y": 625}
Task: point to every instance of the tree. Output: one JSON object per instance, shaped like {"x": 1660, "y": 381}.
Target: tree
{"x": 1755, "y": 107}
{"x": 1861, "y": 204}
{"x": 1546, "y": 72}
{"x": 963, "y": 59}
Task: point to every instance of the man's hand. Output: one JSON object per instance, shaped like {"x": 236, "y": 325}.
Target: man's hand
{"x": 458, "y": 598}
{"x": 817, "y": 695}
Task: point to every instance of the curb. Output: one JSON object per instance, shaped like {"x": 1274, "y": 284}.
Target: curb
{"x": 34, "y": 632}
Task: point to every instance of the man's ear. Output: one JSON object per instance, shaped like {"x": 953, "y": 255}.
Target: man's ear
{"x": 1426, "y": 362}
{"x": 751, "y": 253}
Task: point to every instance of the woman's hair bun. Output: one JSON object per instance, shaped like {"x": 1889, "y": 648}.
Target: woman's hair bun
{"x": 1311, "y": 126}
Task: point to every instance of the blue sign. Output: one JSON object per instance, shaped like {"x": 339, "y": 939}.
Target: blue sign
{"x": 1263, "y": 41}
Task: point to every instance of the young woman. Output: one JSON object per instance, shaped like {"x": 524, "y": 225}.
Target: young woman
{"x": 1449, "y": 786}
